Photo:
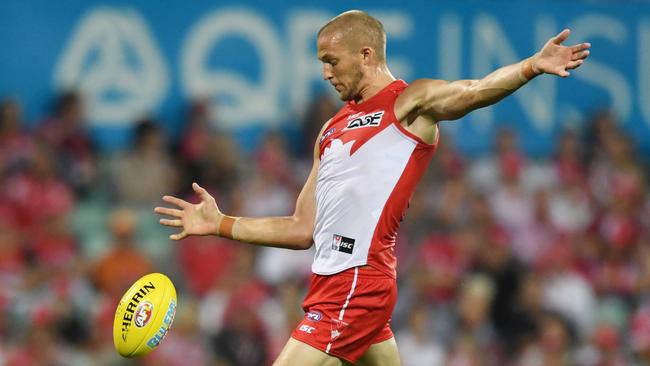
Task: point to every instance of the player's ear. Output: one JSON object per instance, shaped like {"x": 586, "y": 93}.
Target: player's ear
{"x": 367, "y": 55}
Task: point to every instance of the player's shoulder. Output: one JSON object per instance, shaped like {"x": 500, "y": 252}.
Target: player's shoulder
{"x": 425, "y": 83}
{"x": 418, "y": 89}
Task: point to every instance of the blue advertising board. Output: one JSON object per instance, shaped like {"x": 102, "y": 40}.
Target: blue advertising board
{"x": 256, "y": 60}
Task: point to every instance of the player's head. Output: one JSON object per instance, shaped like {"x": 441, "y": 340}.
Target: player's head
{"x": 351, "y": 46}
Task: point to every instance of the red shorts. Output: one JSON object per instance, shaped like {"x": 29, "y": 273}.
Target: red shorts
{"x": 347, "y": 312}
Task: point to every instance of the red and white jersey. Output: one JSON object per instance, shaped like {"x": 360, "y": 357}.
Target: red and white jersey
{"x": 369, "y": 167}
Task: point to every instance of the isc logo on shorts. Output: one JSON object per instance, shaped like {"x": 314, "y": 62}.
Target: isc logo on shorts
{"x": 343, "y": 244}
{"x": 368, "y": 120}
{"x": 306, "y": 328}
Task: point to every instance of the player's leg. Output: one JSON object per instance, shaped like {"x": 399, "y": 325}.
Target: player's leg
{"x": 381, "y": 354}
{"x": 298, "y": 353}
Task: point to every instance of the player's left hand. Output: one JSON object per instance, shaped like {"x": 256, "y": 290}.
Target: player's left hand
{"x": 202, "y": 218}
{"x": 556, "y": 59}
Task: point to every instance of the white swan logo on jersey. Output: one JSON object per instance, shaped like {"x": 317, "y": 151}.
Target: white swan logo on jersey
{"x": 368, "y": 120}
{"x": 343, "y": 244}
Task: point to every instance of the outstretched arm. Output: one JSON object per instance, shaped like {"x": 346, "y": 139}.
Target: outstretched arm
{"x": 444, "y": 100}
{"x": 205, "y": 218}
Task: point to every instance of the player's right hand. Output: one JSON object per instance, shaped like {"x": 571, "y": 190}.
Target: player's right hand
{"x": 555, "y": 58}
{"x": 194, "y": 219}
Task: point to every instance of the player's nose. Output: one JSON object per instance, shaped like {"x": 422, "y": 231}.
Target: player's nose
{"x": 327, "y": 72}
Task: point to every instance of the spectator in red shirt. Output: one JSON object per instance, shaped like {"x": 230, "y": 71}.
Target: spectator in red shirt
{"x": 204, "y": 261}
{"x": 439, "y": 269}
{"x": 39, "y": 192}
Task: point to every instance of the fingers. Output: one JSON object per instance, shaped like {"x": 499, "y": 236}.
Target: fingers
{"x": 168, "y": 211}
{"x": 201, "y": 192}
{"x": 176, "y": 201}
{"x": 580, "y": 55}
{"x": 172, "y": 223}
{"x": 198, "y": 189}
{"x": 561, "y": 71}
{"x": 574, "y": 64}
{"x": 580, "y": 47}
{"x": 561, "y": 37}
{"x": 179, "y": 236}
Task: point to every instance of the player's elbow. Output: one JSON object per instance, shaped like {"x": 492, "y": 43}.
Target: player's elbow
{"x": 304, "y": 235}
{"x": 305, "y": 243}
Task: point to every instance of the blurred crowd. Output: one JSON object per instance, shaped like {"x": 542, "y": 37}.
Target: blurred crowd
{"x": 502, "y": 259}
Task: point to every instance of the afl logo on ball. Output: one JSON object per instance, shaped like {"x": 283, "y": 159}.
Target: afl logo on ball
{"x": 143, "y": 314}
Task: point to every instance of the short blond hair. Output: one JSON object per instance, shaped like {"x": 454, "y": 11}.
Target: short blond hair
{"x": 359, "y": 29}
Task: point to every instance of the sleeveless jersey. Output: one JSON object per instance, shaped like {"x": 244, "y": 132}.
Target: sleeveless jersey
{"x": 369, "y": 167}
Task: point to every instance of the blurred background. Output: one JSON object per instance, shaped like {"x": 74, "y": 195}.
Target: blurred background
{"x": 526, "y": 243}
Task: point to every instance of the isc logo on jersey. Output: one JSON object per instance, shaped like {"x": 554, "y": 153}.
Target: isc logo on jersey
{"x": 368, "y": 120}
{"x": 343, "y": 244}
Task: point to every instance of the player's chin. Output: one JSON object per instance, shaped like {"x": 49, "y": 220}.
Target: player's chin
{"x": 344, "y": 96}
{"x": 339, "y": 93}
{"x": 342, "y": 93}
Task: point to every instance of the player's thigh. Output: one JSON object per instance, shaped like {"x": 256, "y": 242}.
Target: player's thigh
{"x": 381, "y": 354}
{"x": 298, "y": 353}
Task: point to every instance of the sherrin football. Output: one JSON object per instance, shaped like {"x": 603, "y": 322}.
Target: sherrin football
{"x": 144, "y": 315}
